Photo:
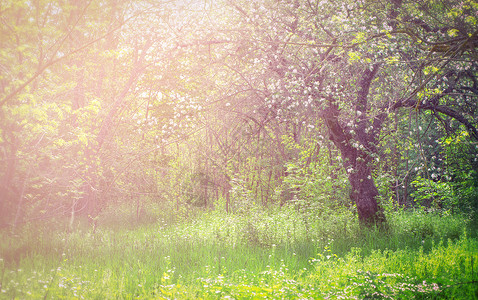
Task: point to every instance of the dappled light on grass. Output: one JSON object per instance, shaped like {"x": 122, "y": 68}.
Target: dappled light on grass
{"x": 203, "y": 258}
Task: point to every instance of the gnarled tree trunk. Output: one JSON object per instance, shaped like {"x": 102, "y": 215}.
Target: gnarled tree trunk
{"x": 364, "y": 194}
{"x": 357, "y": 146}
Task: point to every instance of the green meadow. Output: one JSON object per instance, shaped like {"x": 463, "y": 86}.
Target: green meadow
{"x": 273, "y": 254}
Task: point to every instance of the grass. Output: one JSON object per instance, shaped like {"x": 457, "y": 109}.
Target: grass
{"x": 275, "y": 254}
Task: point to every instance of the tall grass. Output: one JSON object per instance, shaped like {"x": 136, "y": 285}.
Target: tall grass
{"x": 279, "y": 253}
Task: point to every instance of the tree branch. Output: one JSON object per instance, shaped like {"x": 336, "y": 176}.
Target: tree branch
{"x": 55, "y": 61}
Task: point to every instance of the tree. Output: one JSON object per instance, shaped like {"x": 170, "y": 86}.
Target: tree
{"x": 71, "y": 69}
{"x": 358, "y": 62}
{"x": 103, "y": 98}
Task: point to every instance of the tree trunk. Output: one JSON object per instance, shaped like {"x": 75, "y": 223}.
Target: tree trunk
{"x": 364, "y": 193}
{"x": 358, "y": 148}
{"x": 8, "y": 188}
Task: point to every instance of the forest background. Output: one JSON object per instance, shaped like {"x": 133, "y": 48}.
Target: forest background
{"x": 120, "y": 114}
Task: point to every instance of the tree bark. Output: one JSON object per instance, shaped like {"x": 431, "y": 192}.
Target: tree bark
{"x": 358, "y": 148}
{"x": 364, "y": 194}
{"x": 358, "y": 165}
